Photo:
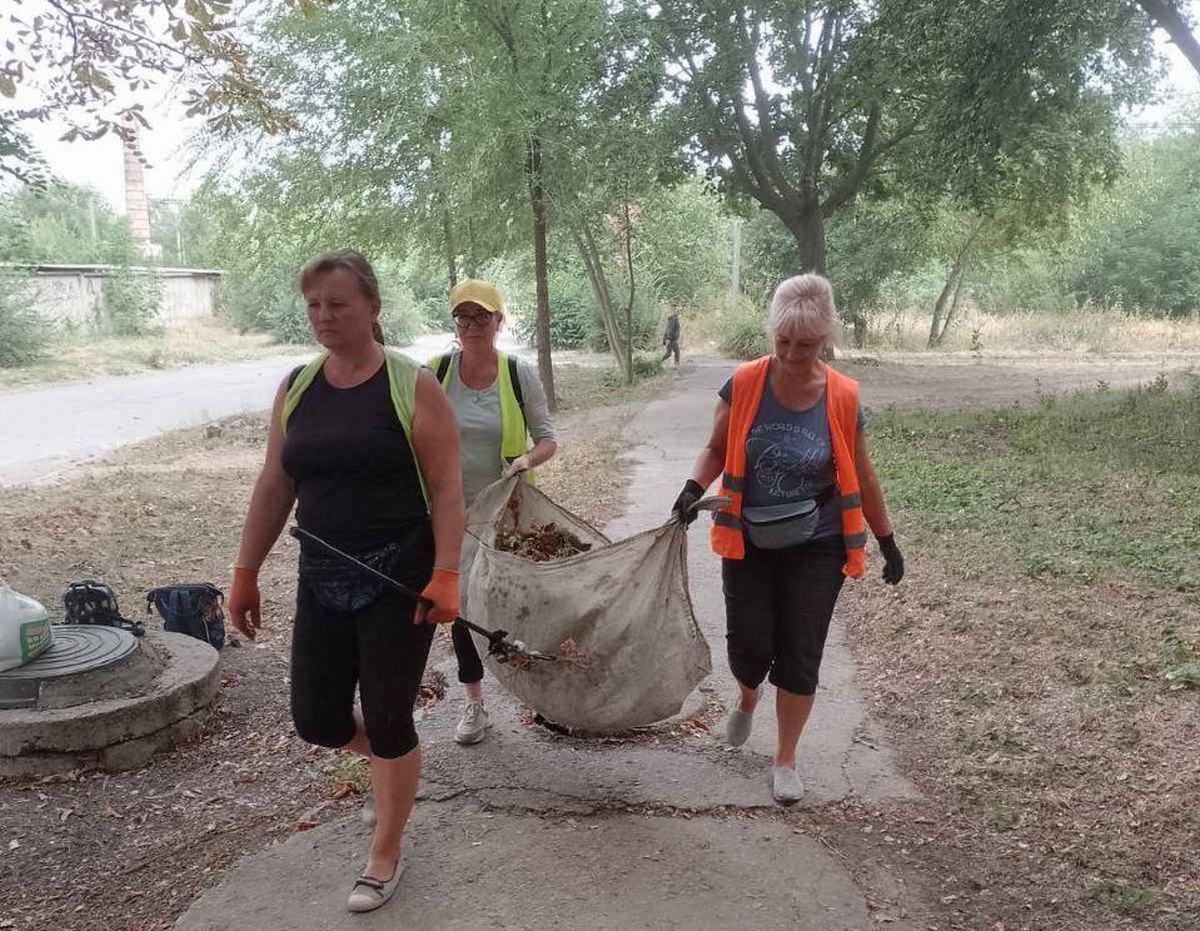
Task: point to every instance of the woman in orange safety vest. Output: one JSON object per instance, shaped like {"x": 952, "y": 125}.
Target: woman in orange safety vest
{"x": 789, "y": 446}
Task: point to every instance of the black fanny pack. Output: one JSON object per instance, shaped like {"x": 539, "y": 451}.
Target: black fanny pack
{"x": 341, "y": 586}
{"x": 778, "y": 526}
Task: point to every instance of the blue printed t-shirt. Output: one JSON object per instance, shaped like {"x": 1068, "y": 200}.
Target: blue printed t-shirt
{"x": 789, "y": 457}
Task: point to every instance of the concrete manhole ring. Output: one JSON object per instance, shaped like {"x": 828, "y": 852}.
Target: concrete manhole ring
{"x": 76, "y": 649}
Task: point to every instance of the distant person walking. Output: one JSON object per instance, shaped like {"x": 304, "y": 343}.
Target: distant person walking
{"x": 789, "y": 445}
{"x": 671, "y": 338}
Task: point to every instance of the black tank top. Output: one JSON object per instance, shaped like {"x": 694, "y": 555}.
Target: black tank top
{"x": 356, "y": 479}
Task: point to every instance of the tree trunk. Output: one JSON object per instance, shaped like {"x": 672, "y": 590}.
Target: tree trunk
{"x": 537, "y": 201}
{"x": 448, "y": 235}
{"x": 808, "y": 228}
{"x": 938, "y": 328}
{"x": 470, "y": 263}
{"x": 939, "y": 308}
{"x": 962, "y": 276}
{"x": 629, "y": 306}
{"x": 600, "y": 293}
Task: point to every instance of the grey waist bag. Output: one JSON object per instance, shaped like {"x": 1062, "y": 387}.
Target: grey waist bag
{"x": 778, "y": 526}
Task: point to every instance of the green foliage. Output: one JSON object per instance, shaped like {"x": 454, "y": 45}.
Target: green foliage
{"x": 743, "y": 332}
{"x": 871, "y": 242}
{"x": 1148, "y": 257}
{"x": 644, "y": 366}
{"x": 681, "y": 243}
{"x": 768, "y": 256}
{"x": 129, "y": 304}
{"x": 1126, "y": 462}
{"x": 184, "y": 233}
{"x": 573, "y": 323}
{"x": 24, "y": 336}
{"x": 62, "y": 224}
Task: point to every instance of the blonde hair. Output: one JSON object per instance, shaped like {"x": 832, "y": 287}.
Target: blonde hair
{"x": 804, "y": 305}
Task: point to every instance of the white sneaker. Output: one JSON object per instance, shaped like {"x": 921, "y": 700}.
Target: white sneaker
{"x": 473, "y": 726}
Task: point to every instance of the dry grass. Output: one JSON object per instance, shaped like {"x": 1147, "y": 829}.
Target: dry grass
{"x": 195, "y": 342}
{"x": 1082, "y": 332}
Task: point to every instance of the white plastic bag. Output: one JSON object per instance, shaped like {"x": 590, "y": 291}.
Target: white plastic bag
{"x": 25, "y": 631}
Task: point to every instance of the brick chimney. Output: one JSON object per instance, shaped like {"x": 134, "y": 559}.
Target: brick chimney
{"x": 137, "y": 206}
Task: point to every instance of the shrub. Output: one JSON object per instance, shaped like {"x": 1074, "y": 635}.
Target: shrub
{"x": 742, "y": 332}
{"x": 24, "y": 335}
{"x": 129, "y": 303}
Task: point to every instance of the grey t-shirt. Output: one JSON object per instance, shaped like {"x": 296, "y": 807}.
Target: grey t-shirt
{"x": 478, "y": 414}
{"x": 789, "y": 457}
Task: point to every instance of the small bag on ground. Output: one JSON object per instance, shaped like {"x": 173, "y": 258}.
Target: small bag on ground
{"x": 195, "y": 609}
{"x": 92, "y": 602}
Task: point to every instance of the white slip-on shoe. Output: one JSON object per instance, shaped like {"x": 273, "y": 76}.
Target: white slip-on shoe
{"x": 370, "y": 893}
{"x": 786, "y": 785}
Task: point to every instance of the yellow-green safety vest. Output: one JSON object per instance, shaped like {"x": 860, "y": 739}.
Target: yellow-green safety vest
{"x": 514, "y": 432}
{"x": 402, "y": 382}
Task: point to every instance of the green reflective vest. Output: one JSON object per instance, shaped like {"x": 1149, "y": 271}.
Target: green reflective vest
{"x": 402, "y": 381}
{"x": 514, "y": 433}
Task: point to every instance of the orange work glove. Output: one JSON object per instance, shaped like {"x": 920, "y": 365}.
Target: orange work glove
{"x": 245, "y": 609}
{"x": 442, "y": 590}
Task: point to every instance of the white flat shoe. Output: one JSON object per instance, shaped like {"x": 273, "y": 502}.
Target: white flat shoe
{"x": 786, "y": 785}
{"x": 370, "y": 893}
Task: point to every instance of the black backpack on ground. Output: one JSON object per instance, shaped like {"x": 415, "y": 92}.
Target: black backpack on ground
{"x": 92, "y": 602}
{"x": 193, "y": 609}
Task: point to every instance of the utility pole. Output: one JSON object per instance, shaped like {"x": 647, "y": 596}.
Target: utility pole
{"x": 735, "y": 277}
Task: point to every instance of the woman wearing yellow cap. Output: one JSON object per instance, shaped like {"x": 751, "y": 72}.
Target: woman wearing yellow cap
{"x": 500, "y": 405}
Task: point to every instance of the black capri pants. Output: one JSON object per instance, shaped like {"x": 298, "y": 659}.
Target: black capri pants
{"x": 378, "y": 649}
{"x": 778, "y": 604}
{"x": 470, "y": 665}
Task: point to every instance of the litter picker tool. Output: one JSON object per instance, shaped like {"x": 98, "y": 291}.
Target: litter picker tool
{"x": 499, "y": 646}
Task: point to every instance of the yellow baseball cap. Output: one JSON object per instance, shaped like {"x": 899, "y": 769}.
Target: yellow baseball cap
{"x": 474, "y": 291}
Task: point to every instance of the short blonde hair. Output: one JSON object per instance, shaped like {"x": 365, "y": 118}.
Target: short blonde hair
{"x": 804, "y": 305}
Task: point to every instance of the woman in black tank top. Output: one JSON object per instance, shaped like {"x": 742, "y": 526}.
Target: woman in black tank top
{"x": 386, "y": 490}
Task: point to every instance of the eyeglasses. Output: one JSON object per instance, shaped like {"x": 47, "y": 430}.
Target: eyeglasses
{"x": 463, "y": 321}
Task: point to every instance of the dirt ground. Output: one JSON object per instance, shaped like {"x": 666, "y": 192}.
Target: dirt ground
{"x": 130, "y": 850}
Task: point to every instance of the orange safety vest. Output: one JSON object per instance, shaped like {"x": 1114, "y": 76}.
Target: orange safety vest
{"x": 841, "y": 404}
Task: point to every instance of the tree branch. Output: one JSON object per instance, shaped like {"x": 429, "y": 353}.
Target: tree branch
{"x": 867, "y": 153}
{"x": 768, "y": 135}
{"x": 1168, "y": 17}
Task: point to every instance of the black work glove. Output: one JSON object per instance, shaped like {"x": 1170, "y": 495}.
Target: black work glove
{"x": 692, "y": 492}
{"x": 893, "y": 571}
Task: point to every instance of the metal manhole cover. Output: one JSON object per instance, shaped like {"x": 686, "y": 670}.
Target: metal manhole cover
{"x": 76, "y": 649}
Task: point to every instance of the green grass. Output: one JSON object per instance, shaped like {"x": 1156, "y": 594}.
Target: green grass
{"x": 1096, "y": 486}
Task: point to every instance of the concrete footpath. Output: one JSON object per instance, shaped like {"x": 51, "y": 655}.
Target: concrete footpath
{"x": 667, "y": 828}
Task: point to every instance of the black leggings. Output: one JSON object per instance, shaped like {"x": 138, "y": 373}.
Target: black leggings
{"x": 470, "y": 666}
{"x": 378, "y": 648}
{"x": 778, "y": 604}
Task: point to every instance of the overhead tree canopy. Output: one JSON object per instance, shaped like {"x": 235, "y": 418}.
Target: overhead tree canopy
{"x": 802, "y": 107}
{"x": 80, "y": 61}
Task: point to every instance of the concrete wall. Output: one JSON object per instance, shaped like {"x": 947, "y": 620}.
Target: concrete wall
{"x": 71, "y": 293}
